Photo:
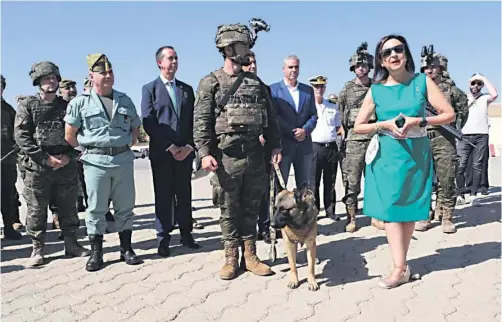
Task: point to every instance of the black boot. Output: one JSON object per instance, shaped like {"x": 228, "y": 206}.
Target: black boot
{"x": 188, "y": 241}
{"x": 71, "y": 245}
{"x": 126, "y": 252}
{"x": 95, "y": 261}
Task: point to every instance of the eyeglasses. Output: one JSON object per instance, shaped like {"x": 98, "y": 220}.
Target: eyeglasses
{"x": 474, "y": 83}
{"x": 399, "y": 49}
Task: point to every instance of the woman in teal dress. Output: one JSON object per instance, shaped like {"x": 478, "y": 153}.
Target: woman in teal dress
{"x": 399, "y": 173}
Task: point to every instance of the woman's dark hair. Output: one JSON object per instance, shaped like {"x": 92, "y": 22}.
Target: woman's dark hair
{"x": 381, "y": 73}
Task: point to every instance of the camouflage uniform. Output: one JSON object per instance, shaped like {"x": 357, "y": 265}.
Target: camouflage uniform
{"x": 349, "y": 103}
{"x": 39, "y": 133}
{"x": 10, "y": 208}
{"x": 231, "y": 136}
{"x": 444, "y": 150}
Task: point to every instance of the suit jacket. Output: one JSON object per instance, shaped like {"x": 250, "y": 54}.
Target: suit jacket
{"x": 160, "y": 120}
{"x": 289, "y": 119}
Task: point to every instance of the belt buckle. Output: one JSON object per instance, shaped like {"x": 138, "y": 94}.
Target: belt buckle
{"x": 111, "y": 151}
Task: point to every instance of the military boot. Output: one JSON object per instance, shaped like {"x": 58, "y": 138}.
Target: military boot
{"x": 37, "y": 255}
{"x": 438, "y": 212}
{"x": 71, "y": 245}
{"x": 447, "y": 224}
{"x": 350, "y": 226}
{"x": 95, "y": 261}
{"x": 423, "y": 225}
{"x": 127, "y": 254}
{"x": 378, "y": 224}
{"x": 229, "y": 270}
{"x": 252, "y": 262}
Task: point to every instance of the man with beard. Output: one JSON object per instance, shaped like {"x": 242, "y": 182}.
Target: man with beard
{"x": 443, "y": 144}
{"x": 349, "y": 103}
{"x": 106, "y": 124}
{"x": 476, "y": 132}
{"x": 226, "y": 133}
{"x": 10, "y": 208}
{"x": 48, "y": 161}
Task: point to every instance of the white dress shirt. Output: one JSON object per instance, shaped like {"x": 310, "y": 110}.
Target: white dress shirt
{"x": 328, "y": 120}
{"x": 295, "y": 93}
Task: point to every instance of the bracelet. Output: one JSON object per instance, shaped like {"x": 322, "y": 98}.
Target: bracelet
{"x": 378, "y": 129}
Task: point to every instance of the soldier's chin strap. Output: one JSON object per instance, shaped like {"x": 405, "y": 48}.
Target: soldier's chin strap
{"x": 236, "y": 59}
{"x": 48, "y": 92}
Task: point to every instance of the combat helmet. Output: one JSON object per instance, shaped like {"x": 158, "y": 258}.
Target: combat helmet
{"x": 443, "y": 62}
{"x": 362, "y": 56}
{"x": 4, "y": 83}
{"x": 43, "y": 68}
{"x": 428, "y": 58}
{"x": 227, "y": 35}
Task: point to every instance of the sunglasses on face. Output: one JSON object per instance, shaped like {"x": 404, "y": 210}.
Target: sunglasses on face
{"x": 474, "y": 83}
{"x": 399, "y": 49}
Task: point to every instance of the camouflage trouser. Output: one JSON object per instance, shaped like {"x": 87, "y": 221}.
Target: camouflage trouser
{"x": 445, "y": 158}
{"x": 42, "y": 186}
{"x": 352, "y": 170}
{"x": 241, "y": 180}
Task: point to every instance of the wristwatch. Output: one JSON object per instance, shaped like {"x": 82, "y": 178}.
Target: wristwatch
{"x": 423, "y": 123}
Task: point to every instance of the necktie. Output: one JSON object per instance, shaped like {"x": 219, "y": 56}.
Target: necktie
{"x": 172, "y": 93}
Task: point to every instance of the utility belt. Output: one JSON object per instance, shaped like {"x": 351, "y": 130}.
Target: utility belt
{"x": 326, "y": 145}
{"x": 436, "y": 132}
{"x": 56, "y": 149}
{"x": 107, "y": 151}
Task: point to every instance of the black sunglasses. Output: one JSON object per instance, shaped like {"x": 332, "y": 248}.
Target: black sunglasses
{"x": 474, "y": 83}
{"x": 399, "y": 49}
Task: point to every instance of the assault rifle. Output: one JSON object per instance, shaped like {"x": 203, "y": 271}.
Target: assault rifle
{"x": 15, "y": 149}
{"x": 448, "y": 128}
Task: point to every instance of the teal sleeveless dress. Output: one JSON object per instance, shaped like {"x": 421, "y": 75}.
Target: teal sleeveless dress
{"x": 398, "y": 182}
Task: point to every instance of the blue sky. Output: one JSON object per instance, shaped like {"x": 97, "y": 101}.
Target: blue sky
{"x": 323, "y": 34}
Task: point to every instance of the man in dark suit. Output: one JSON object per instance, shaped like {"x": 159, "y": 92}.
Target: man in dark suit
{"x": 297, "y": 116}
{"x": 167, "y": 108}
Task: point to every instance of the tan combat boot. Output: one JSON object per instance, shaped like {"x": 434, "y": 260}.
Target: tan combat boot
{"x": 438, "y": 212}
{"x": 37, "y": 255}
{"x": 378, "y": 224}
{"x": 252, "y": 262}
{"x": 423, "y": 225}
{"x": 229, "y": 270}
{"x": 350, "y": 226}
{"x": 447, "y": 224}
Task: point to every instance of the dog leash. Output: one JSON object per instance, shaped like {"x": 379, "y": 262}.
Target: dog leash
{"x": 273, "y": 237}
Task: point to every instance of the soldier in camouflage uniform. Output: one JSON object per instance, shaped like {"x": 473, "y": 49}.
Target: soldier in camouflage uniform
{"x": 443, "y": 145}
{"x": 10, "y": 208}
{"x": 349, "y": 103}
{"x": 227, "y": 140}
{"x": 48, "y": 162}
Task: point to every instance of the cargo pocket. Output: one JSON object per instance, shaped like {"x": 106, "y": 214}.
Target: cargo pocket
{"x": 93, "y": 118}
{"x": 124, "y": 118}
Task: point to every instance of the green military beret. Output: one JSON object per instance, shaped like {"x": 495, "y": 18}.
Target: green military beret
{"x": 98, "y": 63}
{"x": 318, "y": 80}
{"x": 66, "y": 83}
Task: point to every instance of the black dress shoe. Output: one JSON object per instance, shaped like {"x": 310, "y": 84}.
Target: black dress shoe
{"x": 197, "y": 225}
{"x": 127, "y": 254}
{"x": 188, "y": 241}
{"x": 163, "y": 249}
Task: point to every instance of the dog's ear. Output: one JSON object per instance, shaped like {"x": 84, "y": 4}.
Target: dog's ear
{"x": 301, "y": 191}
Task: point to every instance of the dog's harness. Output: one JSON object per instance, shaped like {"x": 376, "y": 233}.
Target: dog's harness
{"x": 300, "y": 233}
{"x": 273, "y": 237}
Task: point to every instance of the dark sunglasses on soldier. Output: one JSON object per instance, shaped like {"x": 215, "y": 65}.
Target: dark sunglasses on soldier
{"x": 399, "y": 49}
{"x": 474, "y": 83}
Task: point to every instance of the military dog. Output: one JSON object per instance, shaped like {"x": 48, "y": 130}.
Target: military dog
{"x": 296, "y": 215}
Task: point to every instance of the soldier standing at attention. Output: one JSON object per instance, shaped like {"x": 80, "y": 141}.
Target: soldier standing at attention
{"x": 48, "y": 161}
{"x": 10, "y": 206}
{"x": 105, "y": 122}
{"x": 443, "y": 143}
{"x": 350, "y": 100}
{"x": 227, "y": 138}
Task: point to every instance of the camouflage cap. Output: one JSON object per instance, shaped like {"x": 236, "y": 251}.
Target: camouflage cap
{"x": 362, "y": 56}
{"x": 318, "y": 80}
{"x": 434, "y": 62}
{"x": 333, "y": 98}
{"x": 87, "y": 82}
{"x": 43, "y": 68}
{"x": 98, "y": 63}
{"x": 227, "y": 35}
{"x": 443, "y": 61}
{"x": 3, "y": 81}
{"x": 66, "y": 83}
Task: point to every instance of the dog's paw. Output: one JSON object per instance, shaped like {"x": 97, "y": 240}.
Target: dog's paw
{"x": 293, "y": 284}
{"x": 313, "y": 286}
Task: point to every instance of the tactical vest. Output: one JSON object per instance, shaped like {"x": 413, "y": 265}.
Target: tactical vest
{"x": 445, "y": 88}
{"x": 354, "y": 96}
{"x": 49, "y": 125}
{"x": 245, "y": 111}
